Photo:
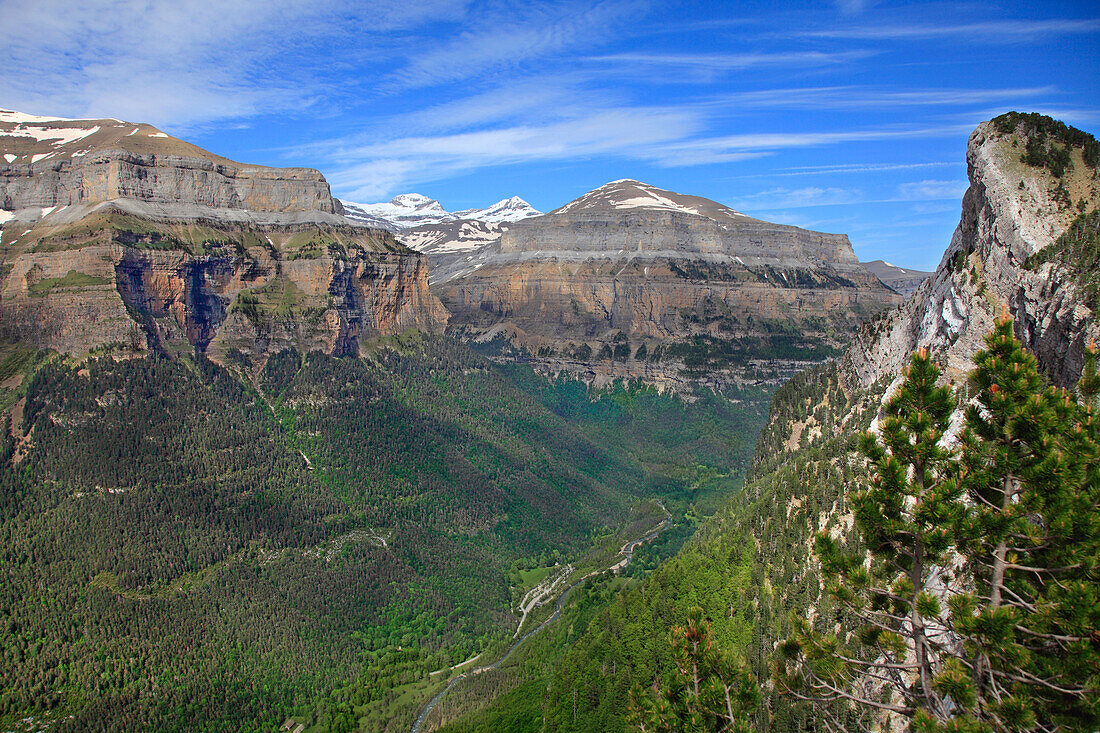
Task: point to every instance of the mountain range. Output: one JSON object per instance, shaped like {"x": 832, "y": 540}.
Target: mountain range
{"x": 471, "y": 501}
{"x": 191, "y": 249}
{"x": 411, "y": 210}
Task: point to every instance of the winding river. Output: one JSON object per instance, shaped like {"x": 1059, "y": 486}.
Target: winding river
{"x": 625, "y": 554}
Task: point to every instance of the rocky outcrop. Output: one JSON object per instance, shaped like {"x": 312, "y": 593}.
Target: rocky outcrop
{"x": 1011, "y": 211}
{"x": 631, "y": 281}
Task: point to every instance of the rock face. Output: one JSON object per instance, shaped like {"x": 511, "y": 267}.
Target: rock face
{"x": 54, "y": 162}
{"x": 115, "y": 280}
{"x": 120, "y": 237}
{"x": 901, "y": 279}
{"x": 1012, "y": 211}
{"x": 630, "y": 280}
{"x": 448, "y": 242}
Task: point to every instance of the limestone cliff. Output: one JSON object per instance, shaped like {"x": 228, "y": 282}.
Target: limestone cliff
{"x": 1014, "y": 211}
{"x": 633, "y": 281}
{"x": 118, "y": 236}
{"x": 116, "y": 280}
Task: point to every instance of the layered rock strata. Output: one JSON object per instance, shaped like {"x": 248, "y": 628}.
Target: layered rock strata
{"x": 54, "y": 162}
{"x": 118, "y": 236}
{"x": 632, "y": 281}
{"x": 124, "y": 282}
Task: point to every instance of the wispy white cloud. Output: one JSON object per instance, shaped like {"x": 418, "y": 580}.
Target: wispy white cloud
{"x": 852, "y": 7}
{"x": 862, "y": 97}
{"x": 369, "y": 170}
{"x": 524, "y": 101}
{"x": 995, "y": 30}
{"x": 929, "y": 190}
{"x": 780, "y": 197}
{"x": 734, "y": 62}
{"x": 524, "y": 34}
{"x": 797, "y": 198}
{"x": 843, "y": 168}
{"x": 362, "y": 167}
{"x": 183, "y": 62}
{"x": 721, "y": 148}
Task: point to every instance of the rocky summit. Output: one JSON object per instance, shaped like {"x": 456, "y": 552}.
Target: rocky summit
{"x": 1022, "y": 245}
{"x": 634, "y": 281}
{"x": 119, "y": 236}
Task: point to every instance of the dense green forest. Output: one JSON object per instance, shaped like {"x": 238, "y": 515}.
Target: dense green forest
{"x": 743, "y": 567}
{"x": 187, "y": 546}
{"x": 765, "y": 569}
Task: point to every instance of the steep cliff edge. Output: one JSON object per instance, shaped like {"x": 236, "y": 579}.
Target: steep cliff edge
{"x": 637, "y": 282}
{"x": 1030, "y": 179}
{"x": 116, "y": 235}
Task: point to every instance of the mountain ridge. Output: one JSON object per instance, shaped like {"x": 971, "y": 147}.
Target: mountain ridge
{"x": 902, "y": 279}
{"x": 412, "y": 210}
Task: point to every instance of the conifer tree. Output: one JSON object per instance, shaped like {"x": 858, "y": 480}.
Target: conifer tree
{"x": 710, "y": 691}
{"x": 905, "y": 516}
{"x": 1029, "y": 539}
{"x": 1005, "y": 530}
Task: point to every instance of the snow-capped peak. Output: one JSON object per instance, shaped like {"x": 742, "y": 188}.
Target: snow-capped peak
{"x": 415, "y": 201}
{"x": 402, "y": 212}
{"x": 512, "y": 209}
{"x": 413, "y": 209}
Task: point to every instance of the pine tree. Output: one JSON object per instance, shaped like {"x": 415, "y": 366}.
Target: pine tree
{"x": 710, "y": 691}
{"x": 1006, "y": 530}
{"x": 905, "y": 516}
{"x": 1030, "y": 543}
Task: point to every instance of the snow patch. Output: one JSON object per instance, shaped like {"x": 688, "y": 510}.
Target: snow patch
{"x": 653, "y": 202}
{"x": 6, "y": 216}
{"x": 8, "y": 115}
{"x": 157, "y": 134}
{"x": 9, "y": 157}
{"x": 56, "y": 135}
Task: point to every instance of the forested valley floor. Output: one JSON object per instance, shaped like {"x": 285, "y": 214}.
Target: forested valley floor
{"x": 187, "y": 546}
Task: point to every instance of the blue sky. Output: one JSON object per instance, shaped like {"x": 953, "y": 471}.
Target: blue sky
{"x": 847, "y": 116}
